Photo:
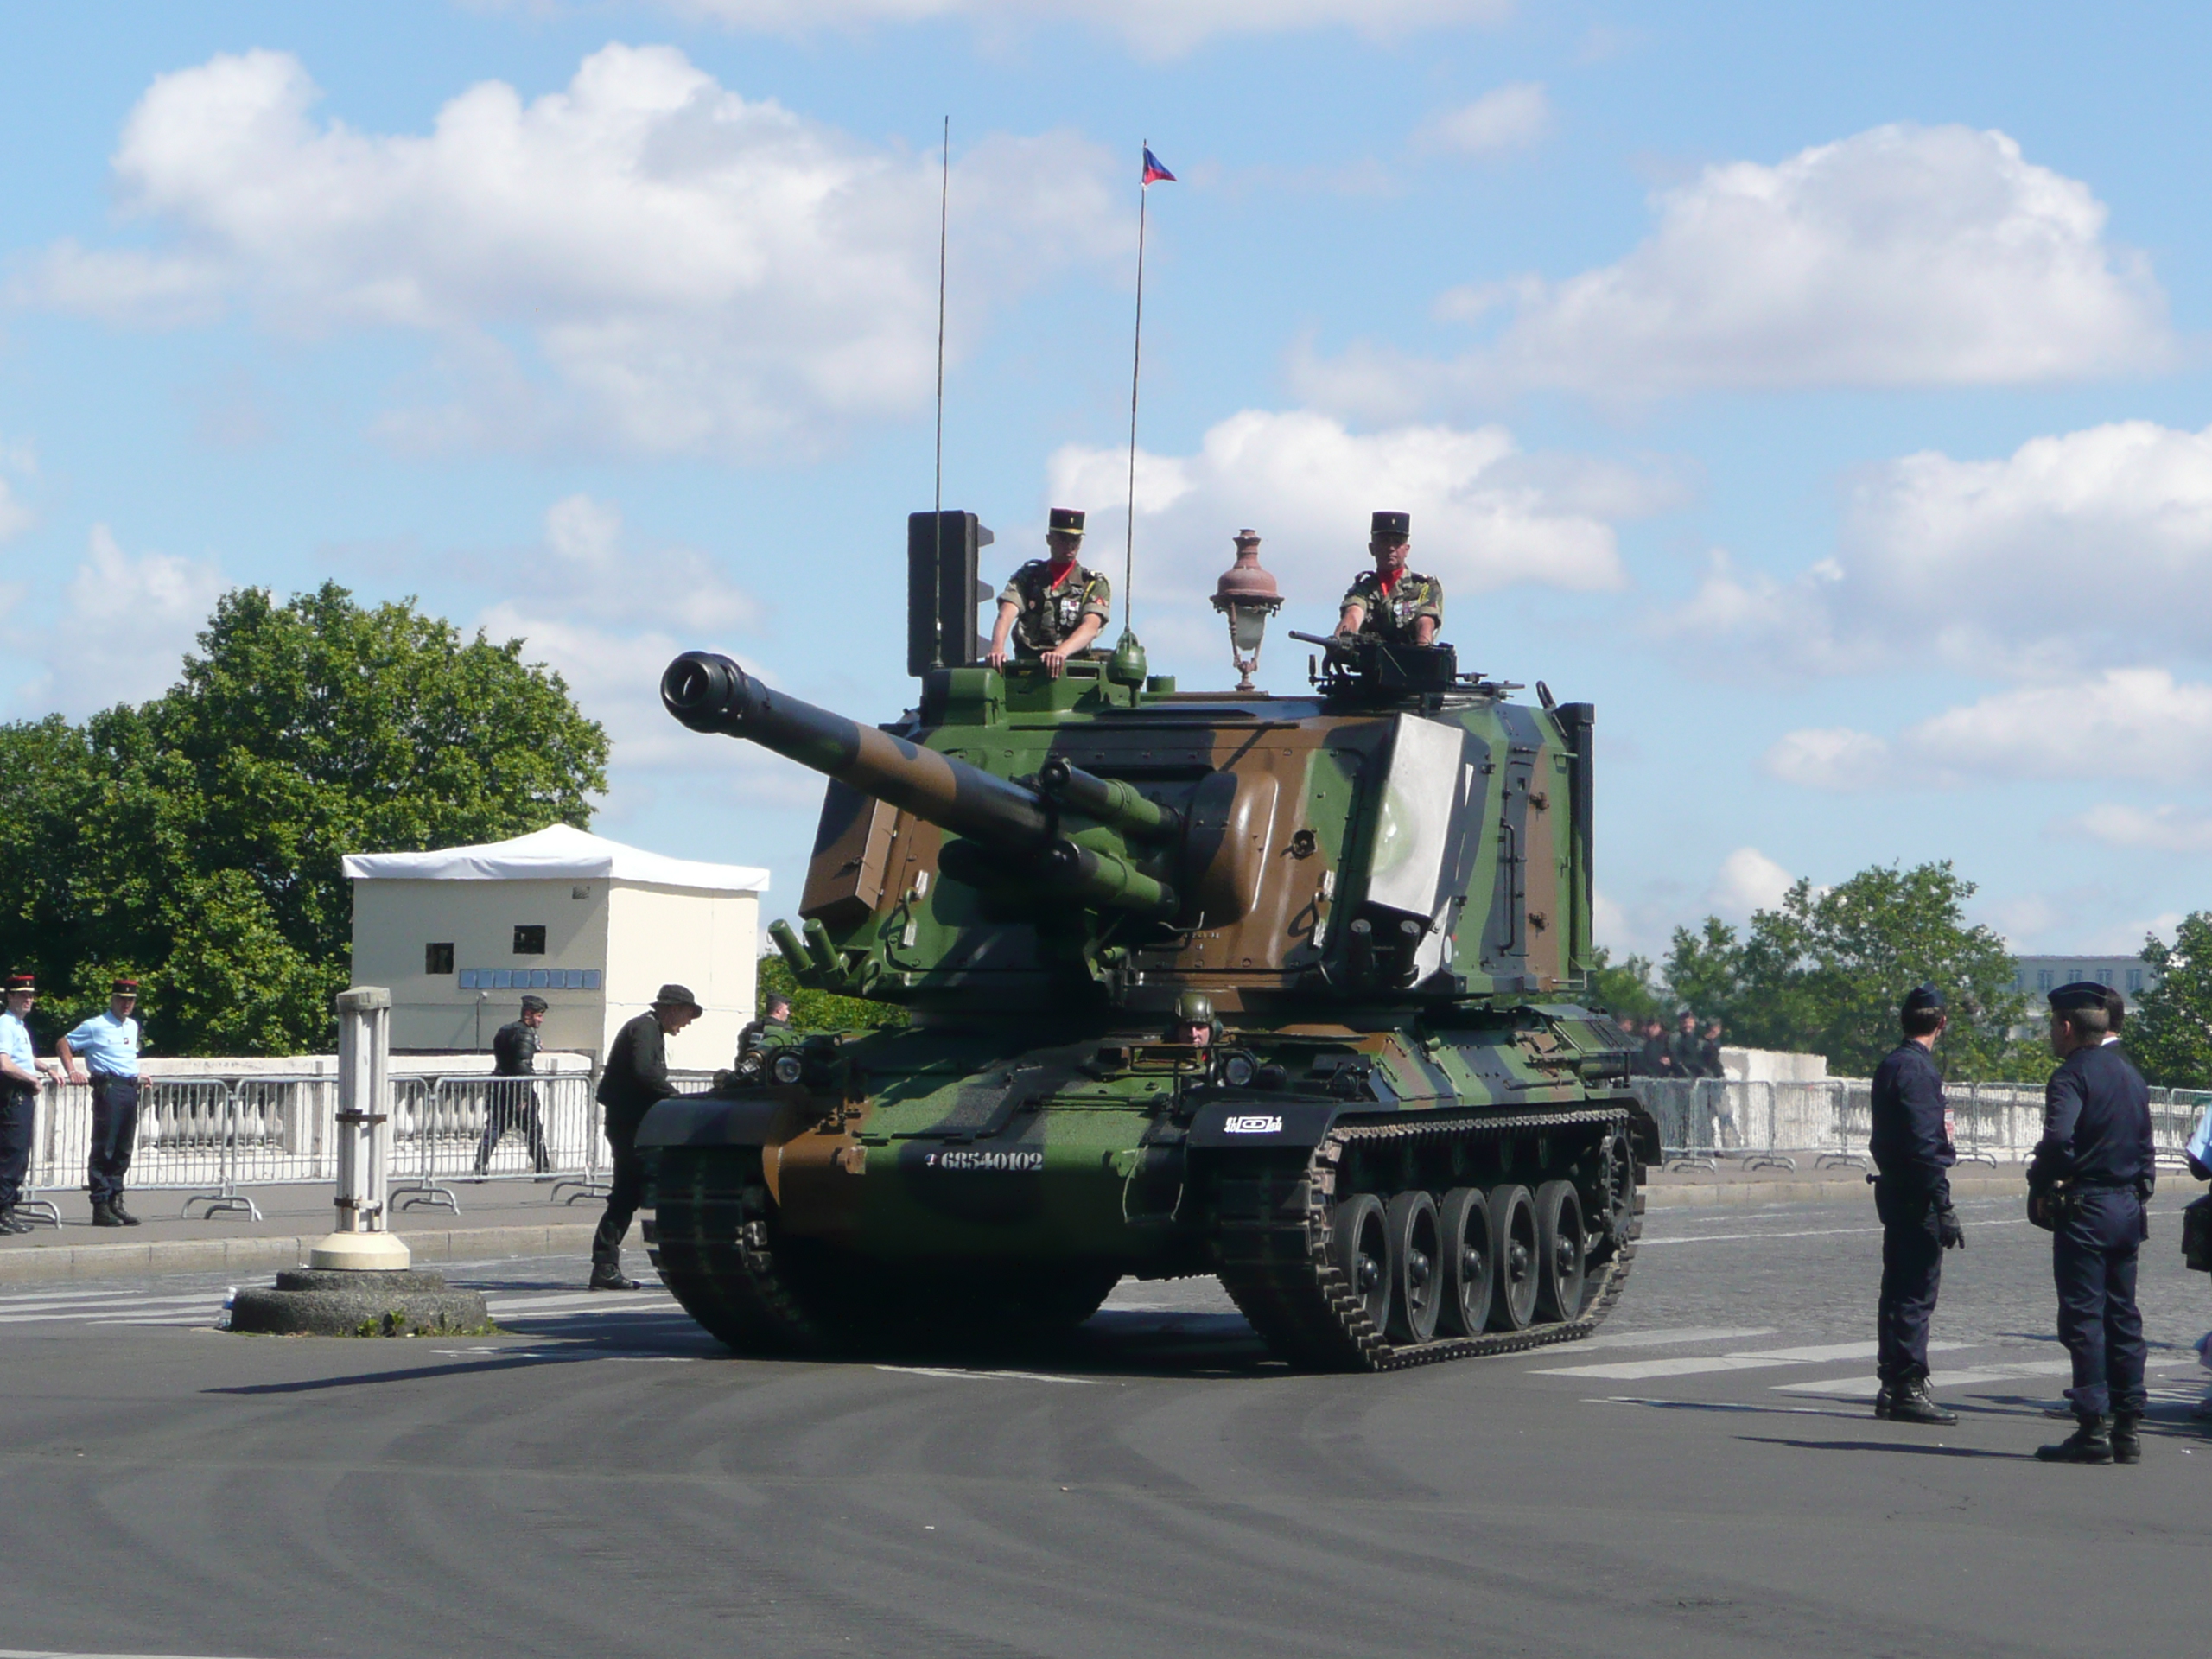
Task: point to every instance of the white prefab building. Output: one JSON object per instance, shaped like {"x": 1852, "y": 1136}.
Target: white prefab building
{"x": 593, "y": 926}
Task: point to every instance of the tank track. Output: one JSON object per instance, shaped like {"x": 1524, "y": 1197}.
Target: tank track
{"x": 1273, "y": 1218}
{"x": 710, "y": 1243}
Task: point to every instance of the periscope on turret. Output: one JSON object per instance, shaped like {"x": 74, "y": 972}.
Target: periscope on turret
{"x": 1408, "y": 1139}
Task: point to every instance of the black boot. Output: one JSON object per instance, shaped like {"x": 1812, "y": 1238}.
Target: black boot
{"x": 103, "y": 1214}
{"x": 1910, "y": 1402}
{"x": 608, "y": 1275}
{"x": 9, "y": 1224}
{"x": 2090, "y": 1443}
{"x": 2126, "y": 1441}
{"x": 1883, "y": 1398}
{"x": 115, "y": 1208}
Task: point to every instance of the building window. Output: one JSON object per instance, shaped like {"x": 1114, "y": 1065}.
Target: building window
{"x": 2043, "y": 979}
{"x": 2135, "y": 979}
{"x": 438, "y": 958}
{"x": 530, "y": 939}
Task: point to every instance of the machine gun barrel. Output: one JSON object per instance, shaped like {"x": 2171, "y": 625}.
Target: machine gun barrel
{"x": 1335, "y": 645}
{"x": 709, "y": 693}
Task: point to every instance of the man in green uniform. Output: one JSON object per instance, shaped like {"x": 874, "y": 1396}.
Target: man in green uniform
{"x": 1054, "y": 607}
{"x": 1391, "y": 603}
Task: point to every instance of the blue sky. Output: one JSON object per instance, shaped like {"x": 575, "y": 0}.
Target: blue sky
{"x": 1822, "y": 397}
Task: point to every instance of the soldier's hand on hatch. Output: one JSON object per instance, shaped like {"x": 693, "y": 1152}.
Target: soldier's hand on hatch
{"x": 995, "y": 656}
{"x": 1054, "y": 660}
{"x": 1948, "y": 1230}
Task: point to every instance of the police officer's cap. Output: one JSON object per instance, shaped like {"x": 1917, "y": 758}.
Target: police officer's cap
{"x": 535, "y": 1005}
{"x": 1921, "y": 998}
{"x": 1194, "y": 1008}
{"x": 1392, "y": 526}
{"x": 23, "y": 982}
{"x": 1066, "y": 521}
{"x": 2082, "y": 995}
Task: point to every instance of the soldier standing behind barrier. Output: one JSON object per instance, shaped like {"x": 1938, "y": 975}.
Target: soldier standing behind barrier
{"x": 515, "y": 1105}
{"x": 103, "y": 1051}
{"x": 1911, "y": 1145}
{"x": 636, "y": 1075}
{"x": 2089, "y": 1180}
{"x": 20, "y": 1073}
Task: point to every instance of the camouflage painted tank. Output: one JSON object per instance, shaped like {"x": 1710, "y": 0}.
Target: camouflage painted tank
{"x": 1409, "y": 1140}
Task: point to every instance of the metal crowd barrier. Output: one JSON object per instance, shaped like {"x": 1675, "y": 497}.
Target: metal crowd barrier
{"x": 212, "y": 1137}
{"x": 478, "y": 1128}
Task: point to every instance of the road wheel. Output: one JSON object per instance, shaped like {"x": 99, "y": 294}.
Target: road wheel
{"x": 1561, "y": 1248}
{"x": 1513, "y": 1258}
{"x": 1360, "y": 1242}
{"x": 1415, "y": 1284}
{"x": 1463, "y": 1229}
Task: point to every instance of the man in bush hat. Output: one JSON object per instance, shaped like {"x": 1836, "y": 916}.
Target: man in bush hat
{"x": 21, "y": 1070}
{"x": 1053, "y": 607}
{"x": 635, "y": 1076}
{"x": 514, "y": 1105}
{"x": 104, "y": 1053}
{"x": 2092, "y": 1175}
{"x": 1911, "y": 1145}
{"x": 1391, "y": 603}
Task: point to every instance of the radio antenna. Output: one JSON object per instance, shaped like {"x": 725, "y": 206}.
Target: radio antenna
{"x": 936, "y": 499}
{"x": 1152, "y": 173}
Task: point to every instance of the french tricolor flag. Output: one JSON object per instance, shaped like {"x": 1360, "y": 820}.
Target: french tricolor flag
{"x": 1154, "y": 172}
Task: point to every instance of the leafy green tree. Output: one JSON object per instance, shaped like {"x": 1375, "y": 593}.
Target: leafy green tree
{"x": 199, "y": 836}
{"x": 1824, "y": 971}
{"x": 822, "y": 1010}
{"x": 1627, "y": 990}
{"x": 2170, "y": 1031}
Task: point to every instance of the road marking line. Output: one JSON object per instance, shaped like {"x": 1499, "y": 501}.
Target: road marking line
{"x": 1681, "y": 1333}
{"x": 1810, "y": 1232}
{"x": 954, "y": 1372}
{"x": 1864, "y": 1388}
{"x": 1695, "y": 1364}
{"x": 580, "y": 1299}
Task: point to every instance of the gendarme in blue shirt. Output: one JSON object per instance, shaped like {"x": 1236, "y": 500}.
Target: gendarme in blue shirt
{"x": 16, "y": 1044}
{"x": 106, "y": 1045}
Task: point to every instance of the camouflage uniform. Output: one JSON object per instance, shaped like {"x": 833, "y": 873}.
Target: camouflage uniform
{"x": 1390, "y": 617}
{"x": 1049, "y": 612}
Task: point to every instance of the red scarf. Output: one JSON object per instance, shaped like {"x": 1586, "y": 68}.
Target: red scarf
{"x": 1386, "y": 582}
{"x": 1054, "y": 586}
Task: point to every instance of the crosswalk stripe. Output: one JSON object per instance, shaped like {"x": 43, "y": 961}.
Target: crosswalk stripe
{"x": 1697, "y": 1365}
{"x": 1682, "y": 1334}
{"x": 1864, "y": 1388}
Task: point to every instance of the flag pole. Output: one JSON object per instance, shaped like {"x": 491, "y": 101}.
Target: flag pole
{"x": 966, "y": 649}
{"x": 1137, "y": 364}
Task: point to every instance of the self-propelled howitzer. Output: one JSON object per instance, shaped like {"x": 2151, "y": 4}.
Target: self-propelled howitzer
{"x": 1408, "y": 1138}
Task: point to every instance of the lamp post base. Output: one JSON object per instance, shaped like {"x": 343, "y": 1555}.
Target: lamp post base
{"x": 361, "y": 1253}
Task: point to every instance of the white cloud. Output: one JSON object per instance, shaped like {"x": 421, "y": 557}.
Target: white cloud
{"x": 2129, "y": 722}
{"x": 122, "y": 631}
{"x": 1508, "y": 117}
{"x": 1982, "y": 564}
{"x": 1484, "y": 515}
{"x": 693, "y": 270}
{"x": 1748, "y": 880}
{"x": 2164, "y": 829}
{"x": 1905, "y": 256}
{"x": 15, "y": 517}
{"x": 1155, "y": 29}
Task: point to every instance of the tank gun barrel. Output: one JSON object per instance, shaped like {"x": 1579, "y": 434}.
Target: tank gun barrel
{"x": 709, "y": 693}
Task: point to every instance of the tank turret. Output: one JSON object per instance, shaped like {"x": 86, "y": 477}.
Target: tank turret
{"x": 1396, "y": 1138}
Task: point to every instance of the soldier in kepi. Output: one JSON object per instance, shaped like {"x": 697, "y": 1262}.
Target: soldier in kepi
{"x": 1391, "y": 603}
{"x": 1053, "y": 607}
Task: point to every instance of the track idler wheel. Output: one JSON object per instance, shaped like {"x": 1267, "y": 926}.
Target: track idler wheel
{"x": 1415, "y": 1281}
{"x": 1513, "y": 1258}
{"x": 1561, "y": 1248}
{"x": 1464, "y": 1262}
{"x": 1360, "y": 1242}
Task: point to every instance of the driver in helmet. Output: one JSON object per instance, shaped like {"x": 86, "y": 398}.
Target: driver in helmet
{"x": 1193, "y": 1024}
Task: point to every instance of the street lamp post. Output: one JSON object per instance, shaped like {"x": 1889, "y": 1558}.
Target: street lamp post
{"x": 1246, "y": 595}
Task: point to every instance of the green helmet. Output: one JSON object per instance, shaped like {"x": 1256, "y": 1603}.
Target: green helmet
{"x": 1194, "y": 1008}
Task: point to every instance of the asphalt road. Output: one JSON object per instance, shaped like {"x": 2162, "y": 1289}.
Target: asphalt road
{"x": 1703, "y": 1478}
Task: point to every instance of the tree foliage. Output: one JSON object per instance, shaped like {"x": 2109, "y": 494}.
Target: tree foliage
{"x": 195, "y": 840}
{"x": 822, "y": 1010}
{"x": 2170, "y": 1031}
{"x": 1628, "y": 990}
{"x": 1824, "y": 972}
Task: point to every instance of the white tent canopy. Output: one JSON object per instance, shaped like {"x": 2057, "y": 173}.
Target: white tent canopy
{"x": 558, "y": 853}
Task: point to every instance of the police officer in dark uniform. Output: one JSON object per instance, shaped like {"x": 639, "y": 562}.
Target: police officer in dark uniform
{"x": 2089, "y": 1180}
{"x": 515, "y": 1105}
{"x": 635, "y": 1076}
{"x": 1911, "y": 1145}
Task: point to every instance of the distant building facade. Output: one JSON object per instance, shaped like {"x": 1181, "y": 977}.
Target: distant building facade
{"x": 2130, "y": 975}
